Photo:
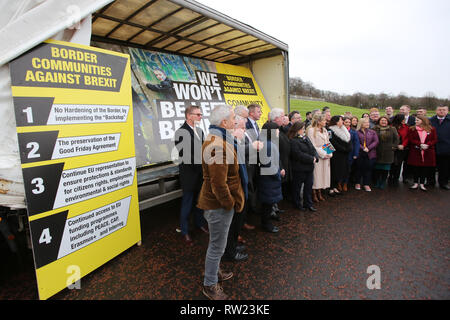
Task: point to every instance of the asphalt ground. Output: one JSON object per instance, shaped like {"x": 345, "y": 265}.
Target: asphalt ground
{"x": 315, "y": 256}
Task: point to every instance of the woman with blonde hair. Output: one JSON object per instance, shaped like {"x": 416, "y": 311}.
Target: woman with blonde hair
{"x": 368, "y": 142}
{"x": 318, "y": 135}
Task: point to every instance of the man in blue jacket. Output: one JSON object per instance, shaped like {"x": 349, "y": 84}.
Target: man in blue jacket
{"x": 441, "y": 121}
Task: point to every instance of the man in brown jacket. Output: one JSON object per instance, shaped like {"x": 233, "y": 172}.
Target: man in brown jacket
{"x": 221, "y": 195}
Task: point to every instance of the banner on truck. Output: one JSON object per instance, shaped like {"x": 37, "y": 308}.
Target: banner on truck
{"x": 74, "y": 118}
{"x": 165, "y": 84}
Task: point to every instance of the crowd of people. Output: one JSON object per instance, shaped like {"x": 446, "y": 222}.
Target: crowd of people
{"x": 241, "y": 168}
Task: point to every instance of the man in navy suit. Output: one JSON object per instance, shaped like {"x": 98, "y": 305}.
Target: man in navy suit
{"x": 441, "y": 121}
{"x": 409, "y": 120}
{"x": 188, "y": 141}
{"x": 253, "y": 133}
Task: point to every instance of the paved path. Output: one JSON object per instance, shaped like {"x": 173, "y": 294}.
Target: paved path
{"x": 324, "y": 255}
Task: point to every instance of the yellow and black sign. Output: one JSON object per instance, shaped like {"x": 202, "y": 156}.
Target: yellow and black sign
{"x": 73, "y": 107}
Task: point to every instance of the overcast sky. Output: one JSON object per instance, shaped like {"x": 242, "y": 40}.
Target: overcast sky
{"x": 348, "y": 46}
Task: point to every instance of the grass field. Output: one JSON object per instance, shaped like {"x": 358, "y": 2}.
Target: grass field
{"x": 304, "y": 106}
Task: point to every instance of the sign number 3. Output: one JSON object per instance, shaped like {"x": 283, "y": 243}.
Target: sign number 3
{"x": 39, "y": 184}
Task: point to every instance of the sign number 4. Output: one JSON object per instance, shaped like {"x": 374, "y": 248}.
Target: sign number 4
{"x": 45, "y": 236}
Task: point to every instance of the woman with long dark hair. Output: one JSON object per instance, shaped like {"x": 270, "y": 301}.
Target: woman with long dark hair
{"x": 303, "y": 158}
{"x": 401, "y": 151}
{"x": 422, "y": 139}
{"x": 353, "y": 155}
{"x": 340, "y": 138}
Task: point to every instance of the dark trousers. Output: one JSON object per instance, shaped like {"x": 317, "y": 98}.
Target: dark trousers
{"x": 252, "y": 172}
{"x": 365, "y": 167}
{"x": 380, "y": 177}
{"x": 305, "y": 178}
{"x": 394, "y": 173}
{"x": 188, "y": 205}
{"x": 443, "y": 167}
{"x": 266, "y": 210}
{"x": 421, "y": 173}
{"x": 400, "y": 157}
{"x": 233, "y": 233}
{"x": 350, "y": 178}
{"x": 407, "y": 172}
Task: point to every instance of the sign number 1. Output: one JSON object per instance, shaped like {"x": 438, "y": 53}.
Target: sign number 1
{"x": 29, "y": 112}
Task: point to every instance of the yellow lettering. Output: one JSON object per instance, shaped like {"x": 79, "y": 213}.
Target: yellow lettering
{"x": 55, "y": 52}
{"x": 29, "y": 76}
{"x": 35, "y": 63}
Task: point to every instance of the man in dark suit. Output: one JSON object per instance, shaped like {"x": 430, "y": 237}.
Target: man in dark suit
{"x": 253, "y": 133}
{"x": 188, "y": 141}
{"x": 409, "y": 120}
{"x": 441, "y": 121}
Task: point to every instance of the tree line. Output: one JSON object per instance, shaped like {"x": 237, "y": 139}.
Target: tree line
{"x": 363, "y": 100}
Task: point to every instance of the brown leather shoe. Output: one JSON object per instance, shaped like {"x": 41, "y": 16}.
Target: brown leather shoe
{"x": 339, "y": 187}
{"x": 344, "y": 187}
{"x": 314, "y": 196}
{"x": 319, "y": 195}
{"x": 214, "y": 292}
{"x": 224, "y": 276}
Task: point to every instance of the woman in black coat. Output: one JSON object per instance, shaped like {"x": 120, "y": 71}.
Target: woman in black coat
{"x": 303, "y": 156}
{"x": 340, "y": 138}
{"x": 269, "y": 180}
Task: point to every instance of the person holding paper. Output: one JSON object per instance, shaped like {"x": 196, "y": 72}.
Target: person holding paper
{"x": 319, "y": 137}
{"x": 341, "y": 141}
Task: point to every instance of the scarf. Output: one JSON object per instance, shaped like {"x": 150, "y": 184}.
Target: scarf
{"x": 422, "y": 136}
{"x": 341, "y": 132}
{"x": 223, "y": 133}
{"x": 384, "y": 134}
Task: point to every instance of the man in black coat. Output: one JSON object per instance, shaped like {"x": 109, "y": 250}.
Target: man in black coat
{"x": 188, "y": 141}
{"x": 441, "y": 121}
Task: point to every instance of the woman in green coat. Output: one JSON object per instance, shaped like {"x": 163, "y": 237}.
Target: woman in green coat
{"x": 388, "y": 142}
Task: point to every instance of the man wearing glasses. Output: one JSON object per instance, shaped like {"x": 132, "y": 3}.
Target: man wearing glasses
{"x": 188, "y": 141}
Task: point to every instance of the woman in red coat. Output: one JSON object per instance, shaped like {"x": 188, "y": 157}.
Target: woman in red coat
{"x": 422, "y": 139}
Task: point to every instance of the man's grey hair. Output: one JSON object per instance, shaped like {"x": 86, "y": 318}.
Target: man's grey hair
{"x": 220, "y": 113}
{"x": 238, "y": 119}
{"x": 241, "y": 111}
{"x": 275, "y": 113}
